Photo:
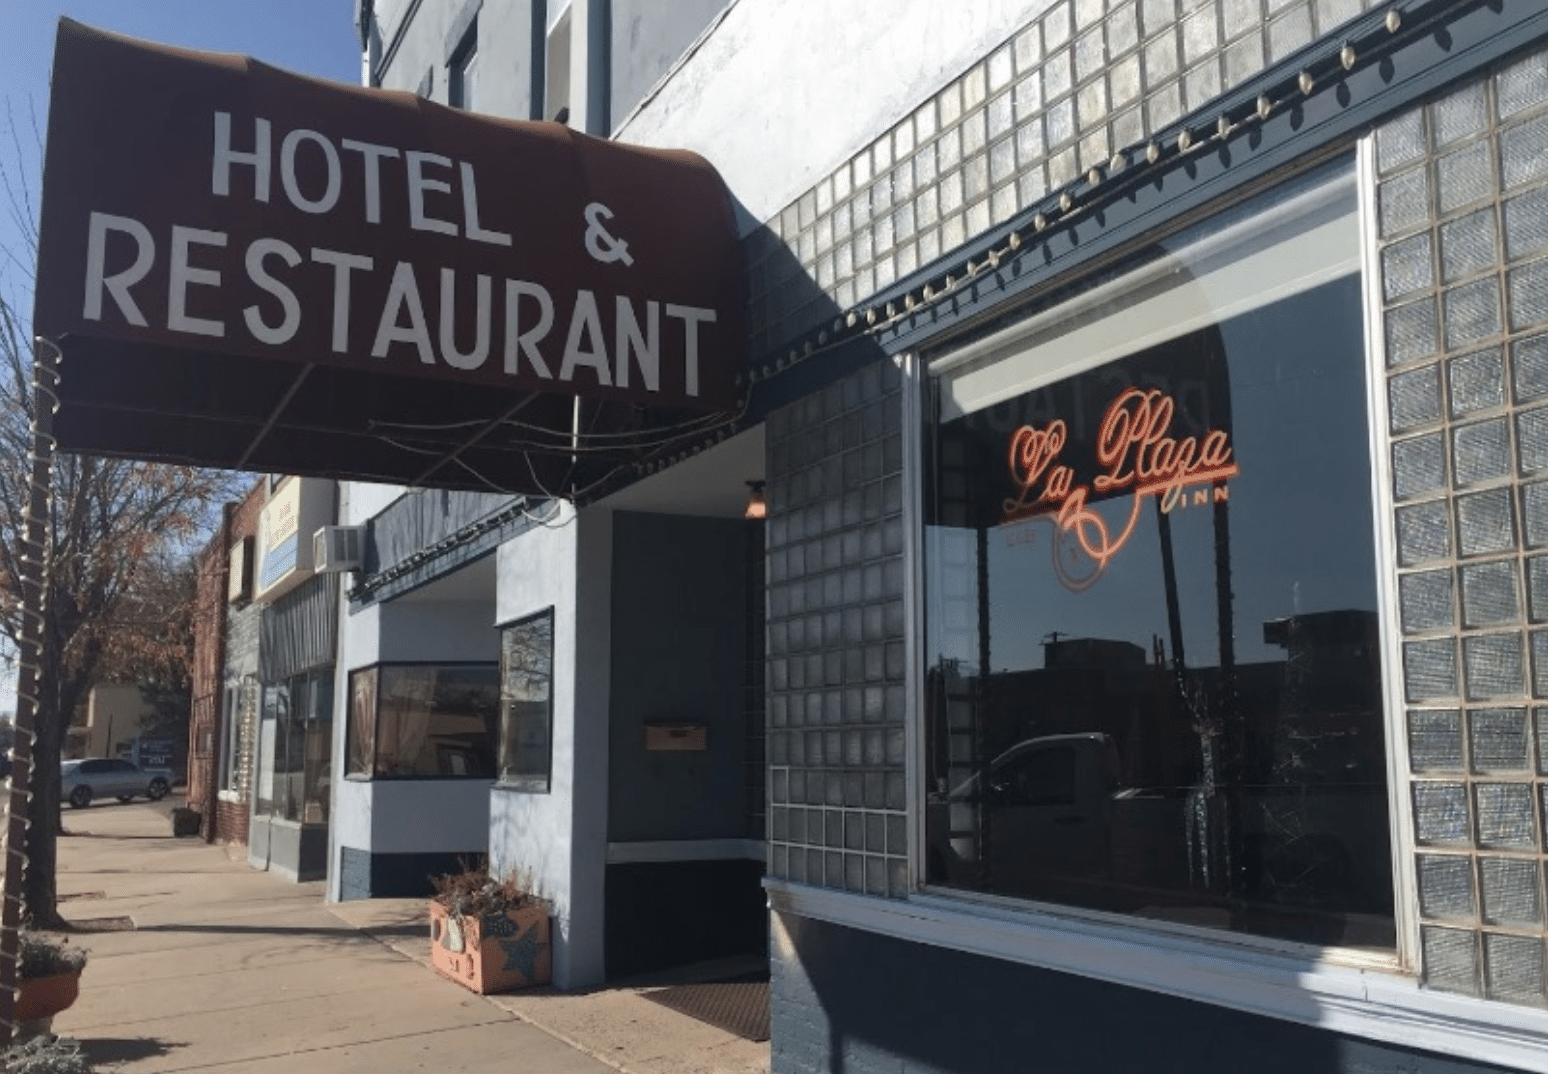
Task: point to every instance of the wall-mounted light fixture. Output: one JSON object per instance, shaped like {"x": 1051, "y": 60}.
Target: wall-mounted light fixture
{"x": 757, "y": 507}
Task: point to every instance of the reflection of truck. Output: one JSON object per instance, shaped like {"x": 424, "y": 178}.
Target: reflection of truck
{"x": 1049, "y": 818}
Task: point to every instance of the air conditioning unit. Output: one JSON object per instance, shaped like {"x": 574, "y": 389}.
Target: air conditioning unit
{"x": 338, "y": 548}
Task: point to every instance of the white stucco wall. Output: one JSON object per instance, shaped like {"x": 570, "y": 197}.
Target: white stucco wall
{"x": 833, "y": 82}
{"x": 360, "y": 501}
{"x": 559, "y": 839}
{"x": 407, "y": 816}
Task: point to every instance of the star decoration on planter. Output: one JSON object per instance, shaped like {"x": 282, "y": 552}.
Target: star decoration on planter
{"x": 499, "y": 925}
{"x": 521, "y": 954}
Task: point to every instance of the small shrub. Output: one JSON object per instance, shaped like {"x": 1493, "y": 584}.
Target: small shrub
{"x": 43, "y": 956}
{"x": 474, "y": 893}
{"x": 45, "y": 1055}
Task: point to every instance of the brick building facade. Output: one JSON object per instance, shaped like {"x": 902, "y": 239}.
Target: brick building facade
{"x": 225, "y": 697}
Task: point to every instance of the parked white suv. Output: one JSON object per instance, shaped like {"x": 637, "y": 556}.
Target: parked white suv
{"x": 105, "y": 777}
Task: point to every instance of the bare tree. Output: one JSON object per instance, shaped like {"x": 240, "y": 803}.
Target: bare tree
{"x": 117, "y": 528}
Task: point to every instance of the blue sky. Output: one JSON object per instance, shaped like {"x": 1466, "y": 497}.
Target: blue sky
{"x": 314, "y": 37}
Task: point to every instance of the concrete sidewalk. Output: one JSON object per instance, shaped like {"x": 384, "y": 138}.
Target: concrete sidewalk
{"x": 237, "y": 971}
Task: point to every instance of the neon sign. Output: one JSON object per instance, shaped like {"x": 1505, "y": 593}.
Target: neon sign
{"x": 1136, "y": 455}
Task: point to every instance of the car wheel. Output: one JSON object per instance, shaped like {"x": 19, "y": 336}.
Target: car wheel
{"x": 158, "y": 790}
{"x": 80, "y": 798}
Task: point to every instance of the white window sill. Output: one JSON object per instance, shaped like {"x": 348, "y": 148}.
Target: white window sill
{"x": 230, "y": 796}
{"x": 1376, "y": 1004}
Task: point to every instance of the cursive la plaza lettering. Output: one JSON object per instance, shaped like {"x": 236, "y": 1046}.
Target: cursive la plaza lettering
{"x": 1135, "y": 453}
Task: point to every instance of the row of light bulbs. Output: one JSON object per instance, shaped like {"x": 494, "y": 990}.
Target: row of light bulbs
{"x": 1064, "y": 206}
{"x": 872, "y": 319}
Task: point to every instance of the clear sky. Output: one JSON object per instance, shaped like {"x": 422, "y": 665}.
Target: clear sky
{"x": 314, "y": 37}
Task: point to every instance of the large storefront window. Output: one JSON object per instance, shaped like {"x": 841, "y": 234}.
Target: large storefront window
{"x": 296, "y": 747}
{"x": 1153, "y": 672}
{"x": 434, "y": 721}
{"x": 527, "y": 702}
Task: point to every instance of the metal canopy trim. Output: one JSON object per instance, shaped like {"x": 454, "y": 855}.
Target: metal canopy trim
{"x": 252, "y": 269}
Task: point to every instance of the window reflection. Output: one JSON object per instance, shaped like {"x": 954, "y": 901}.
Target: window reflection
{"x": 1153, "y": 681}
{"x": 526, "y": 703}
{"x": 422, "y": 721}
{"x": 296, "y": 747}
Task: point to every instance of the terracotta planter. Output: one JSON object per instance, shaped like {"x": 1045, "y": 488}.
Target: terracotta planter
{"x": 44, "y": 997}
{"x": 493, "y": 953}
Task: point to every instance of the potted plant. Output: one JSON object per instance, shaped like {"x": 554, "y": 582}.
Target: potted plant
{"x": 489, "y": 934}
{"x": 49, "y": 979}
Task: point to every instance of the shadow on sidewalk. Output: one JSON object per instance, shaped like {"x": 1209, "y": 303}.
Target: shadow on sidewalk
{"x": 294, "y": 930}
{"x": 144, "y": 872}
{"x": 101, "y": 1051}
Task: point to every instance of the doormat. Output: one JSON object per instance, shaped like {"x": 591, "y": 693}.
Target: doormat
{"x": 739, "y": 1005}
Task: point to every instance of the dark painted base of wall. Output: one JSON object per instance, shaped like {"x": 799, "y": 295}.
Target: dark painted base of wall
{"x": 663, "y": 914}
{"x": 844, "y": 1001}
{"x": 363, "y": 875}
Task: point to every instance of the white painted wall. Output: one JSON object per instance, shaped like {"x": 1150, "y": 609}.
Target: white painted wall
{"x": 559, "y": 839}
{"x": 360, "y": 501}
{"x": 504, "y": 81}
{"x": 783, "y": 91}
{"x": 407, "y": 816}
{"x": 424, "y": 815}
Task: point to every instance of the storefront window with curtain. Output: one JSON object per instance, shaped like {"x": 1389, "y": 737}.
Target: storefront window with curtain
{"x": 434, "y": 721}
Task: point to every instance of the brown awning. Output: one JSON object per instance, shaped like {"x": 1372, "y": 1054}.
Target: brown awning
{"x": 253, "y": 269}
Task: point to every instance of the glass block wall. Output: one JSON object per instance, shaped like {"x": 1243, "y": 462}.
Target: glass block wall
{"x": 1084, "y": 82}
{"x": 1463, "y": 232}
{"x": 836, "y": 711}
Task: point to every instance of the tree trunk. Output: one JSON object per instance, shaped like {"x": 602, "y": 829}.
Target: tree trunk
{"x": 40, "y": 892}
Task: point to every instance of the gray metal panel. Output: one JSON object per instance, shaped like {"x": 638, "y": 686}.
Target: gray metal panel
{"x": 422, "y": 519}
{"x": 300, "y": 630}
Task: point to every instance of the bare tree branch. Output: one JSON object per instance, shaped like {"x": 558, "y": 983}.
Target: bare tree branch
{"x": 124, "y": 533}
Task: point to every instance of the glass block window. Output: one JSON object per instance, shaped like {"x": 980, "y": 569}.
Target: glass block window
{"x": 836, "y": 712}
{"x": 1468, "y": 457}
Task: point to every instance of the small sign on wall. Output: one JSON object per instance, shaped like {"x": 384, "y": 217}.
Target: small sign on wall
{"x": 661, "y": 736}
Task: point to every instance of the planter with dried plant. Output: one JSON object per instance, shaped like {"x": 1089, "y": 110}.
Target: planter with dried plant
{"x": 49, "y": 973}
{"x": 489, "y": 935}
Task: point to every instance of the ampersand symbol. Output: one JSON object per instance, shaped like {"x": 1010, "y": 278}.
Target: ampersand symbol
{"x": 600, "y": 244}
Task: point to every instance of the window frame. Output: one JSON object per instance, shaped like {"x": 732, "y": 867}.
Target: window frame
{"x": 528, "y": 784}
{"x": 349, "y": 726}
{"x": 266, "y": 802}
{"x": 226, "y": 760}
{"x": 1049, "y": 922}
{"x": 461, "y": 70}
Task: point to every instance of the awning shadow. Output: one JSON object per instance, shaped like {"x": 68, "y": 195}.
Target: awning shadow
{"x": 232, "y": 929}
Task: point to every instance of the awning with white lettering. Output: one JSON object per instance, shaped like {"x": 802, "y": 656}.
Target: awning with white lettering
{"x": 249, "y": 268}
